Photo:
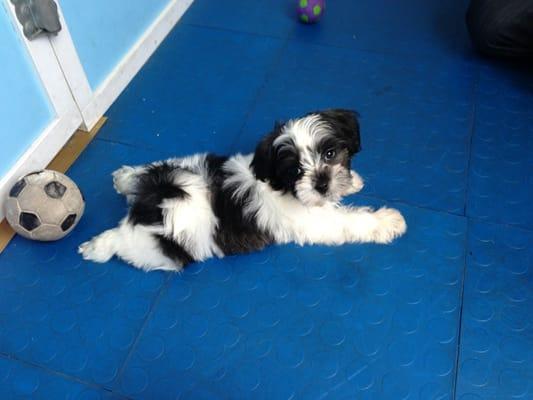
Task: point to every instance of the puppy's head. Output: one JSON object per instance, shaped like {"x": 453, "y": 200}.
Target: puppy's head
{"x": 310, "y": 156}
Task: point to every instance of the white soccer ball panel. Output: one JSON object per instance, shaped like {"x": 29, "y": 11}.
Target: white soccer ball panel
{"x": 31, "y": 197}
{"x": 51, "y": 211}
{"x": 73, "y": 200}
{"x": 47, "y": 232}
{"x": 12, "y": 211}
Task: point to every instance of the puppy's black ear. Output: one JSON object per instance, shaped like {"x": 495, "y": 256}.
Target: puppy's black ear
{"x": 346, "y": 124}
{"x": 264, "y": 157}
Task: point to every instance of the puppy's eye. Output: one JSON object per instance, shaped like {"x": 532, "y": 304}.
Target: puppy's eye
{"x": 295, "y": 171}
{"x": 330, "y": 154}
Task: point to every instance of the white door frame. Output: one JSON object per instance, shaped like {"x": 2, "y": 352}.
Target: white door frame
{"x": 67, "y": 116}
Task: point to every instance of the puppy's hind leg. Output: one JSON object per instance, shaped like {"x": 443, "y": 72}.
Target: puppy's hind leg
{"x": 125, "y": 179}
{"x": 102, "y": 247}
{"x": 135, "y": 244}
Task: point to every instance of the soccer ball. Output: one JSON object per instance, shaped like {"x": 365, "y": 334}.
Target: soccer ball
{"x": 44, "y": 205}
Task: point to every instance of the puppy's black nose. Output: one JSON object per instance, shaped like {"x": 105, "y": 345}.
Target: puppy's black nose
{"x": 322, "y": 184}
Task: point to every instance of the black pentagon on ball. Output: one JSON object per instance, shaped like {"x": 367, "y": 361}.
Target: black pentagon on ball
{"x": 55, "y": 189}
{"x": 17, "y": 188}
{"x": 29, "y": 221}
{"x": 68, "y": 222}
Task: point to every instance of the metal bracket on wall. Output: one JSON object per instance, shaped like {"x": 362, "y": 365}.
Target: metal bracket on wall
{"x": 37, "y": 17}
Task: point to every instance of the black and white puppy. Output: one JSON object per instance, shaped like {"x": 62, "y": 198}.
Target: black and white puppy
{"x": 189, "y": 209}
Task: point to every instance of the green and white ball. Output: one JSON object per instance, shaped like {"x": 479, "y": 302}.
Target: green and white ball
{"x": 44, "y": 205}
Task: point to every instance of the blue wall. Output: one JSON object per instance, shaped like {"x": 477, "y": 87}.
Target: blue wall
{"x": 104, "y": 30}
{"x": 24, "y": 106}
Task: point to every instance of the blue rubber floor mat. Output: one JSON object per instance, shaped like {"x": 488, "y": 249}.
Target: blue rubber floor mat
{"x": 497, "y": 332}
{"x": 194, "y": 92}
{"x": 21, "y": 381}
{"x": 501, "y": 176}
{"x": 308, "y": 322}
{"x": 416, "y": 117}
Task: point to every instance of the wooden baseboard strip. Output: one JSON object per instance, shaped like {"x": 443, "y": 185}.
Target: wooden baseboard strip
{"x": 61, "y": 163}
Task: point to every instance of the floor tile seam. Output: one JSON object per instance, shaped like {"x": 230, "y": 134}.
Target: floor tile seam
{"x": 472, "y": 131}
{"x": 139, "y": 335}
{"x": 461, "y": 302}
{"x": 235, "y": 31}
{"x": 126, "y": 144}
{"x": 253, "y": 103}
{"x": 60, "y": 374}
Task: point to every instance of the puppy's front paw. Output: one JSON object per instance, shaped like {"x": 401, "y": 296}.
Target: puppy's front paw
{"x": 391, "y": 225}
{"x": 356, "y": 183}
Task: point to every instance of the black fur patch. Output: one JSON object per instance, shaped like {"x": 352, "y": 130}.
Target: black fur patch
{"x": 235, "y": 233}
{"x": 264, "y": 160}
{"x": 346, "y": 126}
{"x": 155, "y": 185}
{"x": 174, "y": 251}
{"x": 279, "y": 166}
{"x": 152, "y": 187}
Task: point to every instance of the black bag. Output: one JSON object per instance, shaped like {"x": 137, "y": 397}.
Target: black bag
{"x": 502, "y": 27}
